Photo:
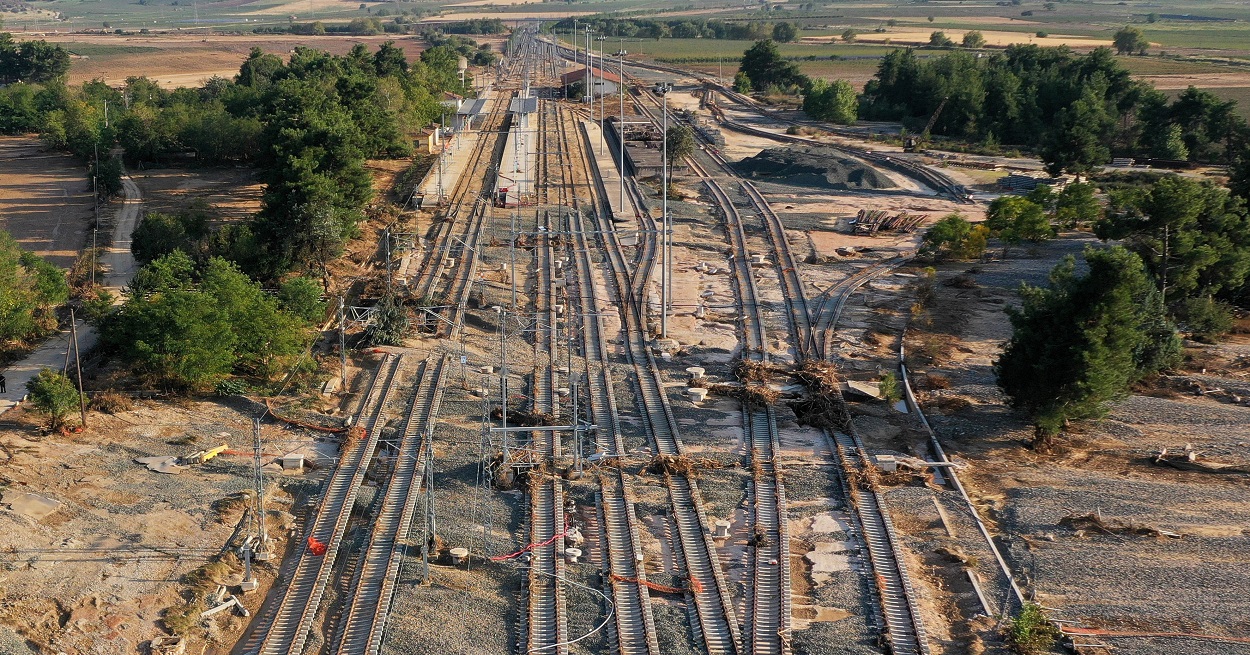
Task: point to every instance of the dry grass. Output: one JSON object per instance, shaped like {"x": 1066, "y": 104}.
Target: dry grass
{"x": 112, "y": 402}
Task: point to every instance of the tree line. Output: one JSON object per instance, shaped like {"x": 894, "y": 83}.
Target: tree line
{"x": 196, "y": 313}
{"x": 1180, "y": 264}
{"x": 1077, "y": 111}
{"x": 687, "y": 28}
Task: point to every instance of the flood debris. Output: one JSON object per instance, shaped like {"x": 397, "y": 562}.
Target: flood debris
{"x": 1094, "y": 521}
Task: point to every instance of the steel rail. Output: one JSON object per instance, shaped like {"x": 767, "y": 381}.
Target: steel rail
{"x": 373, "y": 588}
{"x": 625, "y": 578}
{"x": 286, "y": 629}
{"x": 712, "y": 614}
{"x": 768, "y": 620}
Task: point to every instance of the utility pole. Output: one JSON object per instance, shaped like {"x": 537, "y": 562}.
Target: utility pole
{"x": 664, "y": 245}
{"x": 387, "y": 235}
{"x": 602, "y": 91}
{"x": 620, "y": 126}
{"x": 82, "y": 400}
{"x": 342, "y": 345}
{"x": 430, "y": 526}
{"x": 95, "y": 190}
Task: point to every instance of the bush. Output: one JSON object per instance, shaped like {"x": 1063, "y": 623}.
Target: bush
{"x": 53, "y": 395}
{"x": 890, "y": 389}
{"x": 1030, "y": 632}
{"x": 111, "y": 402}
{"x": 954, "y": 237}
{"x": 1205, "y": 319}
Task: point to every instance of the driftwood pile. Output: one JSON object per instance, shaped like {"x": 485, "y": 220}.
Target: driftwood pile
{"x": 871, "y": 221}
{"x": 679, "y": 465}
{"x": 823, "y": 405}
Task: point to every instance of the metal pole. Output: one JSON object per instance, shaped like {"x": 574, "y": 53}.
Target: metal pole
{"x": 512, "y": 257}
{"x": 620, "y": 125}
{"x": 387, "y": 235}
{"x": 602, "y": 88}
{"x": 342, "y": 345}
{"x": 664, "y": 224}
{"x": 82, "y": 399}
{"x": 430, "y": 528}
{"x": 503, "y": 382}
{"x": 576, "y": 422}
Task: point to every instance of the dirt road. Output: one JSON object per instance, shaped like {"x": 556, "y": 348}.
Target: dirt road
{"x": 119, "y": 267}
{"x": 45, "y": 200}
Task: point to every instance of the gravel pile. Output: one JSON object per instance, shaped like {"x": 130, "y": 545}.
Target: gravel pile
{"x": 814, "y": 166}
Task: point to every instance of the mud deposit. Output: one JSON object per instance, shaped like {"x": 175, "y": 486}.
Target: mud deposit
{"x": 825, "y": 168}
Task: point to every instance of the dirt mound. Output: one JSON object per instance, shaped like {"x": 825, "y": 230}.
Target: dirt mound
{"x": 814, "y": 166}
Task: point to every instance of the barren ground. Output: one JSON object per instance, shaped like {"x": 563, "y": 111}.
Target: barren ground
{"x": 45, "y": 199}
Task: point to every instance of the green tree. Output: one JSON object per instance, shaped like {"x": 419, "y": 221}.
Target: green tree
{"x": 1193, "y": 236}
{"x": 849, "y": 35}
{"x": 30, "y": 291}
{"x": 764, "y": 66}
{"x": 1130, "y": 40}
{"x": 835, "y": 102}
{"x": 940, "y": 40}
{"x": 266, "y": 339}
{"x": 973, "y": 39}
{"x": 1078, "y": 142}
{"x": 954, "y": 237}
{"x": 53, "y": 395}
{"x": 159, "y": 234}
{"x": 1014, "y": 219}
{"x": 784, "y": 32}
{"x": 1204, "y": 318}
{"x": 301, "y": 296}
{"x": 1239, "y": 176}
{"x": 389, "y": 327}
{"x": 1076, "y": 205}
{"x": 680, "y": 142}
{"x": 1079, "y": 344}
{"x": 742, "y": 83}
{"x": 1171, "y": 145}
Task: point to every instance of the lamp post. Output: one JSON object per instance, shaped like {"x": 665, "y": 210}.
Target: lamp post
{"x": 665, "y": 246}
{"x": 620, "y": 124}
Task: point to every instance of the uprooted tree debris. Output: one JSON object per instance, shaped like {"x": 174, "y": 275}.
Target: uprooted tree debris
{"x": 752, "y": 396}
{"x": 823, "y": 406}
{"x": 679, "y": 464}
{"x": 1094, "y": 521}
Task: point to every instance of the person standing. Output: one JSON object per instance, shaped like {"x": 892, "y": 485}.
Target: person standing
{"x": 3, "y": 383}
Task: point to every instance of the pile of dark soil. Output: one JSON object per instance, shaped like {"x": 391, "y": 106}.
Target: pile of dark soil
{"x": 813, "y": 166}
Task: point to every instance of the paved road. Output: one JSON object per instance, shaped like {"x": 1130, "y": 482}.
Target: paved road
{"x": 119, "y": 267}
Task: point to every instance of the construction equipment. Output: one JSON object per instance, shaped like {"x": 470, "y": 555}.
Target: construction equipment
{"x": 915, "y": 143}
{"x": 201, "y": 456}
{"x": 173, "y": 464}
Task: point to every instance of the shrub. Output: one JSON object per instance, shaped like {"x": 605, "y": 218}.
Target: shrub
{"x": 112, "y": 402}
{"x": 1030, "y": 632}
{"x": 890, "y": 389}
{"x": 1205, "y": 319}
{"x": 53, "y": 395}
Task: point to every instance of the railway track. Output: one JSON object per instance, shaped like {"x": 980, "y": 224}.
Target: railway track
{"x": 903, "y": 627}
{"x": 625, "y": 578}
{"x": 711, "y": 615}
{"x": 901, "y": 622}
{"x": 833, "y": 300}
{"x": 768, "y": 606}
{"x": 285, "y": 629}
{"x": 547, "y": 621}
{"x": 373, "y": 589}
{"x": 938, "y": 181}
